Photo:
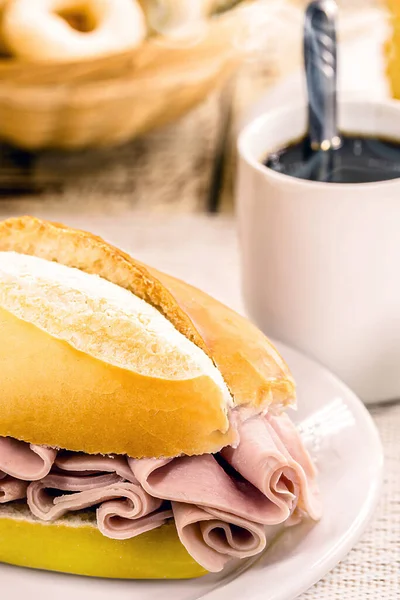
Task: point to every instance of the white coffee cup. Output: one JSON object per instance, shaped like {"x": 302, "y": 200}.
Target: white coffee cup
{"x": 321, "y": 261}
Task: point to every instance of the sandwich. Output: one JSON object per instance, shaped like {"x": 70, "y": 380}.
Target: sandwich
{"x": 143, "y": 431}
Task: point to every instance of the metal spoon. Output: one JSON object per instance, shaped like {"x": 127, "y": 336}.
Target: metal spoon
{"x": 320, "y": 61}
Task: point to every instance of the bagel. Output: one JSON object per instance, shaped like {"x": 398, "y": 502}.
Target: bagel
{"x": 41, "y": 31}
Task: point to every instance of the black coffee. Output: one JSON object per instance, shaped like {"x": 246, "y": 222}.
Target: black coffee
{"x": 359, "y": 159}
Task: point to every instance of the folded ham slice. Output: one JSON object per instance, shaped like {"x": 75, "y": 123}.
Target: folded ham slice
{"x": 230, "y": 509}
{"x": 124, "y": 508}
{"x": 224, "y": 506}
{"x": 213, "y": 539}
{"x": 130, "y": 500}
{"x": 25, "y": 461}
{"x": 119, "y": 523}
{"x": 85, "y": 464}
{"x": 202, "y": 481}
{"x": 12, "y": 489}
{"x": 272, "y": 457}
{"x": 290, "y": 442}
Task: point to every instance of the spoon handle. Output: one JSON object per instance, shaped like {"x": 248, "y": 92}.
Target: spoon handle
{"x": 320, "y": 59}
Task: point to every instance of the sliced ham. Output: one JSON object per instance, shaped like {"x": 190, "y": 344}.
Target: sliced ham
{"x": 130, "y": 500}
{"x": 116, "y": 521}
{"x": 232, "y": 509}
{"x": 117, "y": 518}
{"x": 213, "y": 539}
{"x": 223, "y": 505}
{"x": 272, "y": 457}
{"x": 74, "y": 482}
{"x": 12, "y": 489}
{"x": 202, "y": 481}
{"x": 84, "y": 464}
{"x": 290, "y": 442}
{"x": 25, "y": 461}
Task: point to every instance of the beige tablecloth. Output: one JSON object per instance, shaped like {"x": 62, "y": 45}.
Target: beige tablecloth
{"x": 203, "y": 250}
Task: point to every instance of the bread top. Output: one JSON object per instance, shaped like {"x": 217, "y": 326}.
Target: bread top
{"x": 189, "y": 324}
{"x": 102, "y": 319}
{"x": 87, "y": 365}
{"x": 252, "y": 368}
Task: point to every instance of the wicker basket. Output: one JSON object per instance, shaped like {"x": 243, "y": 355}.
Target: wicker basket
{"x": 108, "y": 101}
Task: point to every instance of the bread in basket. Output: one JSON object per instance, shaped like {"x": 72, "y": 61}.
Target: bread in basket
{"x": 109, "y": 99}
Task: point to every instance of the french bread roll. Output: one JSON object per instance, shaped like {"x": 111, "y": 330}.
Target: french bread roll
{"x": 102, "y": 354}
{"x": 73, "y": 544}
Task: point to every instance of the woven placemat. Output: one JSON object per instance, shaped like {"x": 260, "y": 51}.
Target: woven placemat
{"x": 372, "y": 569}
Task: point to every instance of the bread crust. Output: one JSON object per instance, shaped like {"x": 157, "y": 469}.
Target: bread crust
{"x": 68, "y": 547}
{"x": 68, "y": 399}
{"x": 253, "y": 369}
{"x": 55, "y": 395}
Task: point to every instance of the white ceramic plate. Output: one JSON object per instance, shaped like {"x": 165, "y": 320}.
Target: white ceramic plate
{"x": 343, "y": 440}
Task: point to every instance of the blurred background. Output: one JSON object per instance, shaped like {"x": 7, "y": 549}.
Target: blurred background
{"x": 152, "y": 129}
